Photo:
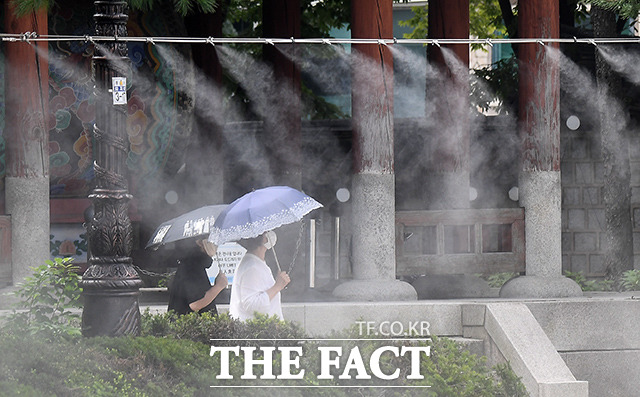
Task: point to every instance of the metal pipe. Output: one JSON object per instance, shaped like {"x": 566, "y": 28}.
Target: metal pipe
{"x": 335, "y": 248}
{"x": 30, "y": 37}
{"x": 312, "y": 253}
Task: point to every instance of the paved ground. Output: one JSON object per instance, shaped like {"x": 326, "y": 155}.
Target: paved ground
{"x": 156, "y": 298}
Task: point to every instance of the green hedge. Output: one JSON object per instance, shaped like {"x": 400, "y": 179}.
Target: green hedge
{"x": 171, "y": 358}
{"x": 42, "y": 354}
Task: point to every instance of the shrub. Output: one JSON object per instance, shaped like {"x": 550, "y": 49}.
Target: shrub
{"x": 49, "y": 298}
{"x": 450, "y": 370}
{"x": 589, "y": 285}
{"x": 33, "y": 366}
{"x": 630, "y": 280}
{"x": 204, "y": 327}
{"x": 164, "y": 365}
{"x": 497, "y": 280}
{"x": 172, "y": 358}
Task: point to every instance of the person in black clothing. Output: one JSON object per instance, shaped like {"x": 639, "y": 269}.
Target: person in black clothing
{"x": 190, "y": 291}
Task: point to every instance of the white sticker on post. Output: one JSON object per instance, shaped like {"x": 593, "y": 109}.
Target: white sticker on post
{"x": 119, "y": 89}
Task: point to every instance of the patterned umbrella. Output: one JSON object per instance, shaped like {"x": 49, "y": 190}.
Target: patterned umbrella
{"x": 259, "y": 211}
{"x": 194, "y": 223}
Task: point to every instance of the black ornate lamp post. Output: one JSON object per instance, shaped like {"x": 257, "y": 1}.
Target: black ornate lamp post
{"x": 110, "y": 284}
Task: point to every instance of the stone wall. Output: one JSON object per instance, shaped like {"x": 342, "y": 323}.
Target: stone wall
{"x": 582, "y": 205}
{"x": 5, "y": 251}
{"x": 634, "y": 154}
{"x": 583, "y": 221}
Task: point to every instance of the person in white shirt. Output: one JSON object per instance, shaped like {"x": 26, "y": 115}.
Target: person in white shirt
{"x": 254, "y": 289}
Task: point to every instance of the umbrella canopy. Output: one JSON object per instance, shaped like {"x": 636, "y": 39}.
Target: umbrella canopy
{"x": 194, "y": 223}
{"x": 259, "y": 211}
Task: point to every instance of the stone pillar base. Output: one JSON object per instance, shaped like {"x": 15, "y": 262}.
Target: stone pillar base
{"x": 451, "y": 286}
{"x": 540, "y": 287}
{"x": 375, "y": 290}
{"x": 27, "y": 201}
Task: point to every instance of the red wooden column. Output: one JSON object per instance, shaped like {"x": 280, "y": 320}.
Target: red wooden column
{"x": 447, "y": 183}
{"x": 449, "y": 19}
{"x": 373, "y": 184}
{"x": 372, "y": 88}
{"x": 539, "y": 87}
{"x": 282, "y": 129}
{"x": 539, "y": 181}
{"x": 27, "y": 139}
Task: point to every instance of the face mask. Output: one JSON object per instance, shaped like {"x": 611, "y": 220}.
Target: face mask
{"x": 272, "y": 238}
{"x": 209, "y": 247}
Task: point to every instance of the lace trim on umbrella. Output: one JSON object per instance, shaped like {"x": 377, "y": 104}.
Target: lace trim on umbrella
{"x": 256, "y": 228}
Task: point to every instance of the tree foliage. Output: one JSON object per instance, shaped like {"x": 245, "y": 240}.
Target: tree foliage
{"x": 318, "y": 17}
{"x": 183, "y": 7}
{"x": 485, "y": 21}
{"x": 625, "y": 8}
{"x": 22, "y": 7}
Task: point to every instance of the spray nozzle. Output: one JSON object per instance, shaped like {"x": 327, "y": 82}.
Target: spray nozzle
{"x": 435, "y": 42}
{"x": 28, "y": 36}
{"x": 210, "y": 41}
{"x": 489, "y": 42}
{"x": 540, "y": 42}
{"x": 382, "y": 42}
{"x": 326, "y": 41}
{"x": 269, "y": 41}
{"x": 150, "y": 40}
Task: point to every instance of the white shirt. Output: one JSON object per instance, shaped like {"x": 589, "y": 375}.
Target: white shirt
{"x": 248, "y": 292}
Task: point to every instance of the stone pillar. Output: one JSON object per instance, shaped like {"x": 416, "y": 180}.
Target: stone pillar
{"x": 110, "y": 283}
{"x": 373, "y": 184}
{"x": 539, "y": 182}
{"x": 447, "y": 183}
{"x": 27, "y": 139}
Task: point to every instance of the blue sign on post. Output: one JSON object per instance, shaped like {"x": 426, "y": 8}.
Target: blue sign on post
{"x": 119, "y": 90}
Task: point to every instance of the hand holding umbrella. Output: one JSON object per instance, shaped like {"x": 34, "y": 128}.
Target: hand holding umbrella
{"x": 282, "y": 280}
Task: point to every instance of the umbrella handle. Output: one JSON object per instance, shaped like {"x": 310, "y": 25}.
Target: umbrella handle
{"x": 277, "y": 263}
{"x": 276, "y": 256}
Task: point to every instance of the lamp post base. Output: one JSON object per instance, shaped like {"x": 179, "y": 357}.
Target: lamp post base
{"x": 110, "y": 305}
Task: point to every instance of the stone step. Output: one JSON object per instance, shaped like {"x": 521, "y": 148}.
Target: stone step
{"x": 472, "y": 345}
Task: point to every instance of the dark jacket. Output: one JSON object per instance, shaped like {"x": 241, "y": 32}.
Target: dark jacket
{"x": 190, "y": 283}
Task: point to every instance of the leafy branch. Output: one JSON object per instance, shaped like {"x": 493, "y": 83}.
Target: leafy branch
{"x": 49, "y": 298}
{"x": 625, "y": 8}
{"x": 183, "y": 7}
